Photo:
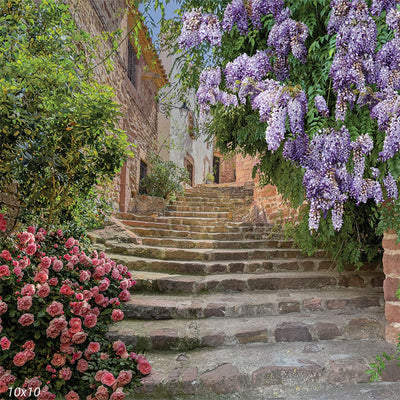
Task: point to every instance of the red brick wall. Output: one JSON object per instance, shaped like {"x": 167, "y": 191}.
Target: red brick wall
{"x": 227, "y": 168}
{"x": 391, "y": 268}
{"x": 267, "y": 197}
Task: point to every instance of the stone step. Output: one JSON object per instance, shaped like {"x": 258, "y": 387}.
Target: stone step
{"x": 201, "y": 221}
{"x": 222, "y": 227}
{"x": 238, "y": 234}
{"x": 177, "y": 254}
{"x": 253, "y": 266}
{"x": 184, "y": 335}
{"x": 209, "y": 201}
{"x": 190, "y": 207}
{"x": 280, "y": 369}
{"x": 200, "y": 214}
{"x": 252, "y": 304}
{"x": 251, "y": 282}
{"x": 361, "y": 391}
{"x": 217, "y": 244}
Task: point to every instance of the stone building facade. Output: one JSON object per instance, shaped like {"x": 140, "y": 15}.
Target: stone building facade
{"x": 135, "y": 82}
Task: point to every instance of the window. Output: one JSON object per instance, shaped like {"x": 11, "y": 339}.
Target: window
{"x": 143, "y": 170}
{"x": 132, "y": 64}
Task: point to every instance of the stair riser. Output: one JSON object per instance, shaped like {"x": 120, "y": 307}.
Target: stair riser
{"x": 189, "y": 244}
{"x": 143, "y": 232}
{"x": 234, "y": 267}
{"x": 171, "y": 285}
{"x": 307, "y": 306}
{"x": 309, "y": 332}
{"x": 185, "y": 255}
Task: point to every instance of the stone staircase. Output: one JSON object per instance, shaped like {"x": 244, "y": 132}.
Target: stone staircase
{"x": 230, "y": 310}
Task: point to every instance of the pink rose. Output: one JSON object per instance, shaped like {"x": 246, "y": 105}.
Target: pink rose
{"x": 84, "y": 276}
{"x": 4, "y": 270}
{"x": 66, "y": 289}
{"x": 43, "y": 291}
{"x": 118, "y": 395}
{"x": 5, "y": 343}
{"x": 55, "y": 308}
{"x": 24, "y": 303}
{"x": 99, "y": 272}
{"x": 58, "y": 265}
{"x": 31, "y": 249}
{"x": 94, "y": 347}
{"x": 104, "y": 284}
{"x": 41, "y": 277}
{"x": 69, "y": 243}
{"x": 26, "y": 319}
{"x": 20, "y": 359}
{"x": 30, "y": 355}
{"x": 59, "y": 323}
{"x": 72, "y": 395}
{"x": 117, "y": 315}
{"x": 107, "y": 379}
{"x": 124, "y": 377}
{"x": 29, "y": 345}
{"x": 101, "y": 393}
{"x": 6, "y": 255}
{"x": 99, "y": 299}
{"x": 75, "y": 325}
{"x": 45, "y": 262}
{"x": 66, "y": 348}
{"x": 65, "y": 373}
{"x": 52, "y": 332}
{"x": 79, "y": 337}
{"x": 144, "y": 368}
{"x": 53, "y": 281}
{"x": 3, "y": 307}
{"x": 90, "y": 321}
{"x": 82, "y": 365}
{"x": 119, "y": 347}
{"x": 28, "y": 290}
{"x": 58, "y": 360}
{"x": 124, "y": 295}
{"x": 46, "y": 395}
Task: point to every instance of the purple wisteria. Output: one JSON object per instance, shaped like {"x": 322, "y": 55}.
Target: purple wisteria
{"x": 356, "y": 41}
{"x": 365, "y": 76}
{"x": 198, "y": 27}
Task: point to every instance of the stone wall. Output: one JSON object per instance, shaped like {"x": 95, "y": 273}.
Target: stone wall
{"x": 266, "y": 198}
{"x": 137, "y": 100}
{"x": 391, "y": 268}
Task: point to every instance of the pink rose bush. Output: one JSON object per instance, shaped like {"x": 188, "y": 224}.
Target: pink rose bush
{"x": 56, "y": 303}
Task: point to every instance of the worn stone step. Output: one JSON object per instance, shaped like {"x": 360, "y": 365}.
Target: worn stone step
{"x": 217, "y": 244}
{"x": 178, "y": 254}
{"x": 201, "y": 207}
{"x": 184, "y": 335}
{"x": 251, "y": 282}
{"x": 199, "y": 228}
{"x": 253, "y": 266}
{"x": 209, "y": 201}
{"x": 200, "y": 214}
{"x": 201, "y": 221}
{"x": 280, "y": 369}
{"x": 252, "y": 304}
{"x": 244, "y": 234}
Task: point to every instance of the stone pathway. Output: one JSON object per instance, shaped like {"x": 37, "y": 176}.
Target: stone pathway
{"x": 229, "y": 310}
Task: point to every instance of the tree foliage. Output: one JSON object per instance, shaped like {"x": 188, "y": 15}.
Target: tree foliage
{"x": 59, "y": 134}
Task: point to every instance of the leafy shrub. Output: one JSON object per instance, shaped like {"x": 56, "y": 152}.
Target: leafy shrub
{"x": 56, "y": 303}
{"x": 165, "y": 179}
{"x": 60, "y": 133}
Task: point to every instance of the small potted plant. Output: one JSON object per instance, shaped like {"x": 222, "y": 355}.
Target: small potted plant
{"x": 209, "y": 178}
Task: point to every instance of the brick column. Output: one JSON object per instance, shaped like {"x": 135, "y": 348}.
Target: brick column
{"x": 391, "y": 268}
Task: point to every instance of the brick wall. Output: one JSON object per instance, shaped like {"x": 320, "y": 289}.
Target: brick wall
{"x": 391, "y": 268}
{"x": 266, "y": 198}
{"x": 137, "y": 100}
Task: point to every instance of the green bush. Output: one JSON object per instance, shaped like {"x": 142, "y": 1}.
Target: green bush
{"x": 165, "y": 180}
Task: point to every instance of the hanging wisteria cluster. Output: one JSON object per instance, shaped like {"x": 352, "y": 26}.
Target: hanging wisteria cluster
{"x": 362, "y": 75}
